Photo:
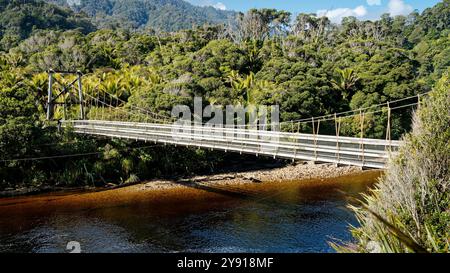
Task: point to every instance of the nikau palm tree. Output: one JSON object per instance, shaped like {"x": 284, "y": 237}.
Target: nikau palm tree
{"x": 345, "y": 82}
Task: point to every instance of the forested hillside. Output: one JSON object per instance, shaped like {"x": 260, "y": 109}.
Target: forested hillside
{"x": 162, "y": 15}
{"x": 20, "y": 18}
{"x": 307, "y": 65}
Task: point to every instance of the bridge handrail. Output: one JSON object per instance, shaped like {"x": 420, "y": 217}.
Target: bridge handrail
{"x": 279, "y": 144}
{"x": 250, "y": 132}
{"x": 341, "y": 160}
{"x": 298, "y": 147}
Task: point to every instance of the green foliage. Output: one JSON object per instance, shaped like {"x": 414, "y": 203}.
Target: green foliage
{"x": 171, "y": 15}
{"x": 19, "y": 19}
{"x": 309, "y": 67}
{"x": 345, "y": 82}
{"x": 409, "y": 209}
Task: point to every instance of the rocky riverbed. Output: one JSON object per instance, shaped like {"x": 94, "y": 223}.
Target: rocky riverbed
{"x": 188, "y": 192}
{"x": 238, "y": 175}
{"x": 301, "y": 171}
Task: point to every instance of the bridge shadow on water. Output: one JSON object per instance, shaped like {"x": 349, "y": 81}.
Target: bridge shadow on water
{"x": 236, "y": 165}
{"x": 227, "y": 191}
{"x": 239, "y": 193}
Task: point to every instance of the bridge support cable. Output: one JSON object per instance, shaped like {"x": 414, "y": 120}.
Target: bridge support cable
{"x": 314, "y": 136}
{"x": 65, "y": 104}
{"x": 80, "y": 94}
{"x": 110, "y": 106}
{"x": 361, "y": 147}
{"x": 140, "y": 111}
{"x": 114, "y": 112}
{"x": 418, "y": 101}
{"x": 96, "y": 105}
{"x": 315, "y": 133}
{"x": 50, "y": 95}
{"x": 165, "y": 119}
{"x": 337, "y": 125}
{"x": 388, "y": 128}
{"x": 117, "y": 106}
{"x": 296, "y": 142}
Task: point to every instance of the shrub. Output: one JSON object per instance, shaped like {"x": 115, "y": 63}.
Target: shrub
{"x": 409, "y": 210}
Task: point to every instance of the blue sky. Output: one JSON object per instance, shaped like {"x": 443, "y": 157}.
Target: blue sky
{"x": 334, "y": 9}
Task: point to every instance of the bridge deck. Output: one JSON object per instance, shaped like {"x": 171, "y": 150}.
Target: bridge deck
{"x": 363, "y": 152}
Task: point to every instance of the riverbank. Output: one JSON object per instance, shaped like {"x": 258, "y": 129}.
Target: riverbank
{"x": 230, "y": 212}
{"x": 234, "y": 174}
{"x": 167, "y": 194}
{"x": 285, "y": 173}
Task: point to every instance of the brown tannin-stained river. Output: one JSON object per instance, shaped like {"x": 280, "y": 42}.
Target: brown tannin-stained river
{"x": 287, "y": 216}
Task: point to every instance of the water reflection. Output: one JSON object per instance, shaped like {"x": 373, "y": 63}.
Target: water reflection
{"x": 293, "y": 217}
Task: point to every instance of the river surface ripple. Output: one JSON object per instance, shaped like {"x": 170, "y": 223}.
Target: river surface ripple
{"x": 295, "y": 216}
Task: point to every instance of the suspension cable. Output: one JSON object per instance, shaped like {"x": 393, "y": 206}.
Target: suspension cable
{"x": 313, "y": 119}
{"x": 305, "y": 120}
{"x": 299, "y": 121}
{"x": 74, "y": 155}
{"x": 109, "y": 105}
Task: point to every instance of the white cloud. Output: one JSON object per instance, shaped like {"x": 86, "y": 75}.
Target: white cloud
{"x": 399, "y": 7}
{"x": 220, "y": 5}
{"x": 208, "y": 3}
{"x": 336, "y": 15}
{"x": 360, "y": 11}
{"x": 373, "y": 2}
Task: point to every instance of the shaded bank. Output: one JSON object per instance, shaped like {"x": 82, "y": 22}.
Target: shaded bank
{"x": 162, "y": 192}
{"x": 277, "y": 216}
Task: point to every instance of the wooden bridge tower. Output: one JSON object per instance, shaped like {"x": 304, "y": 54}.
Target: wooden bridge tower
{"x": 64, "y": 89}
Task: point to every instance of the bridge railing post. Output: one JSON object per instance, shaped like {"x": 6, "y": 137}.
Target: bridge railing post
{"x": 64, "y": 106}
{"x": 388, "y": 129}
{"x": 418, "y": 101}
{"x": 117, "y": 115}
{"x": 103, "y": 105}
{"x": 315, "y": 133}
{"x": 80, "y": 95}
{"x": 337, "y": 125}
{"x": 96, "y": 104}
{"x": 50, "y": 94}
{"x": 362, "y": 115}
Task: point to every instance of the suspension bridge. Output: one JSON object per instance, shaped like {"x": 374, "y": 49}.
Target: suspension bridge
{"x": 99, "y": 113}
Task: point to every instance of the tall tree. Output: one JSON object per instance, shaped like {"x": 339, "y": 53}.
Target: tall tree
{"x": 345, "y": 82}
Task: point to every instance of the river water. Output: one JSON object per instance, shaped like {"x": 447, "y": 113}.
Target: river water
{"x": 295, "y": 216}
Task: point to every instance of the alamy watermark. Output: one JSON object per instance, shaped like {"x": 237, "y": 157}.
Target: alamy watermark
{"x": 73, "y": 247}
{"x": 232, "y": 126}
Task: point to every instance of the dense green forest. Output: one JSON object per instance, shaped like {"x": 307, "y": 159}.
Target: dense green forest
{"x": 19, "y": 19}
{"x": 163, "y": 15}
{"x": 307, "y": 65}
